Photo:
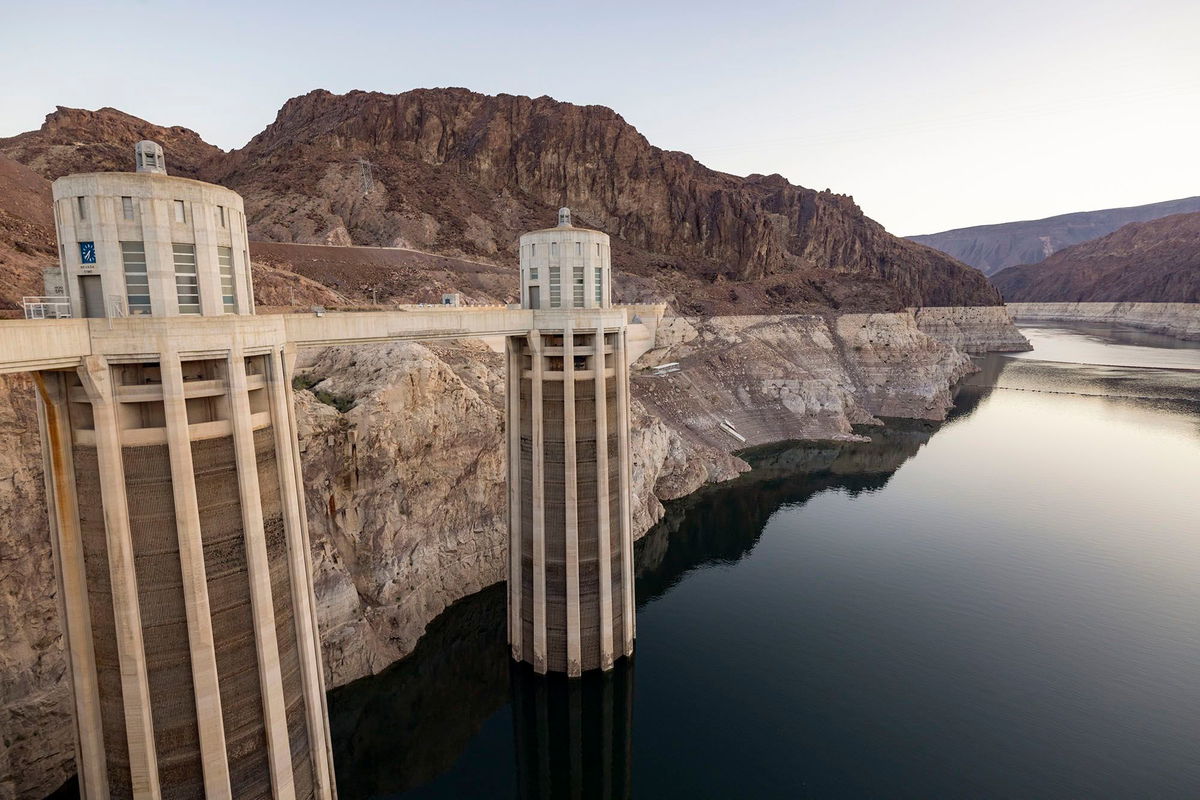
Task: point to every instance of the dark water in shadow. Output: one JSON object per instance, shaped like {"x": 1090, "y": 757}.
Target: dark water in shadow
{"x": 1003, "y": 605}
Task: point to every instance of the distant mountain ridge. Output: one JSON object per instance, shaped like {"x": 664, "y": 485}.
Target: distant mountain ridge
{"x": 991, "y": 248}
{"x": 459, "y": 173}
{"x": 1152, "y": 262}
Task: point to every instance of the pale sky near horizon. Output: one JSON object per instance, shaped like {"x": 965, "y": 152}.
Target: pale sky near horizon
{"x": 933, "y": 115}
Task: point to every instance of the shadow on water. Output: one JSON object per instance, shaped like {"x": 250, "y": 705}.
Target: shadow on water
{"x": 574, "y": 738}
{"x": 401, "y": 728}
{"x": 722, "y": 523}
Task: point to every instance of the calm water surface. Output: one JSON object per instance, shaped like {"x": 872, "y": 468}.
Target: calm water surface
{"x": 1003, "y": 605}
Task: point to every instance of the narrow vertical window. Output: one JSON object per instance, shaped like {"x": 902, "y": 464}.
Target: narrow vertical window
{"x": 598, "y": 250}
{"x": 554, "y": 249}
{"x": 127, "y": 207}
{"x": 532, "y": 250}
{"x": 221, "y": 215}
{"x": 577, "y": 287}
{"x": 137, "y": 283}
{"x": 180, "y": 214}
{"x": 187, "y": 286}
{"x": 228, "y": 293}
{"x": 579, "y": 248}
{"x": 599, "y": 286}
{"x": 82, "y": 207}
{"x": 555, "y": 288}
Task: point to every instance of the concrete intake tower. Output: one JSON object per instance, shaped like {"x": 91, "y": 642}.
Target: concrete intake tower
{"x": 179, "y": 531}
{"x": 571, "y": 604}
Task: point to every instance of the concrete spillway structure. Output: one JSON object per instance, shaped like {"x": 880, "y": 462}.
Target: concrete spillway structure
{"x": 176, "y": 496}
{"x": 179, "y": 533}
{"x": 570, "y": 531}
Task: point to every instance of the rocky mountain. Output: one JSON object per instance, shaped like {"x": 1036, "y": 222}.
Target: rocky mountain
{"x": 1156, "y": 261}
{"x": 27, "y": 241}
{"x": 458, "y": 173}
{"x": 75, "y": 140}
{"x": 992, "y": 248}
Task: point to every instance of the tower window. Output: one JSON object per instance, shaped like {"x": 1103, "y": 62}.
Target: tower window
{"x": 180, "y": 213}
{"x": 533, "y": 273}
{"x": 228, "y": 293}
{"x": 187, "y": 285}
{"x": 579, "y": 248}
{"x": 221, "y": 215}
{"x": 82, "y": 208}
{"x": 598, "y": 250}
{"x": 533, "y": 251}
{"x": 555, "y": 288}
{"x": 577, "y": 288}
{"x": 599, "y": 286}
{"x": 554, "y": 249}
{"x": 127, "y": 207}
{"x": 137, "y": 283}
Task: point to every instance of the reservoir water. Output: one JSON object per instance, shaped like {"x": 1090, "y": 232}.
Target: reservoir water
{"x": 1003, "y": 605}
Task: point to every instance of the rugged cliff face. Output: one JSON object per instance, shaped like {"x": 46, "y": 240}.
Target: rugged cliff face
{"x": 457, "y": 171}
{"x": 403, "y": 471}
{"x": 1181, "y": 320}
{"x": 76, "y": 140}
{"x": 991, "y": 248}
{"x": 982, "y": 329}
{"x": 775, "y": 378}
{"x": 37, "y": 748}
{"x": 27, "y": 242}
{"x": 1147, "y": 262}
{"x": 460, "y": 173}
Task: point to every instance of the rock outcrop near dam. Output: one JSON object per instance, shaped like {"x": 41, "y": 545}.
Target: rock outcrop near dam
{"x": 979, "y": 329}
{"x": 402, "y": 449}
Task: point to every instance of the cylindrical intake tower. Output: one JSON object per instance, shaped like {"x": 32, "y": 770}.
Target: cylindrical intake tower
{"x": 180, "y": 541}
{"x": 570, "y": 533}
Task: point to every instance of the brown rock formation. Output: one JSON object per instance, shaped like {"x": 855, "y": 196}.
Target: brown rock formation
{"x": 1152, "y": 262}
{"x": 456, "y": 171}
{"x": 76, "y": 140}
{"x": 27, "y": 241}
{"x": 460, "y": 173}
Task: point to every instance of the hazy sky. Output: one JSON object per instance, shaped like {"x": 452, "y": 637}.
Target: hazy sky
{"x": 933, "y": 115}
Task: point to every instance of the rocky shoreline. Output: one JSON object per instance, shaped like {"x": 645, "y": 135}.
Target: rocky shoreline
{"x": 1181, "y": 320}
{"x": 405, "y": 488}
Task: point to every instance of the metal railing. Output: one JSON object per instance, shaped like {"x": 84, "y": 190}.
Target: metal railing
{"x": 46, "y": 307}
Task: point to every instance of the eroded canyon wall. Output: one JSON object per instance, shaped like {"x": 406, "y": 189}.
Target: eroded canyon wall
{"x": 1181, "y": 320}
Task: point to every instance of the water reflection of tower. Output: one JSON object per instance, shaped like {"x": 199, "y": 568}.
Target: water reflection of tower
{"x": 574, "y": 737}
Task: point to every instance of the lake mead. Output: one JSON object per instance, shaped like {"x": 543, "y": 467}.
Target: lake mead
{"x": 1002, "y": 605}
